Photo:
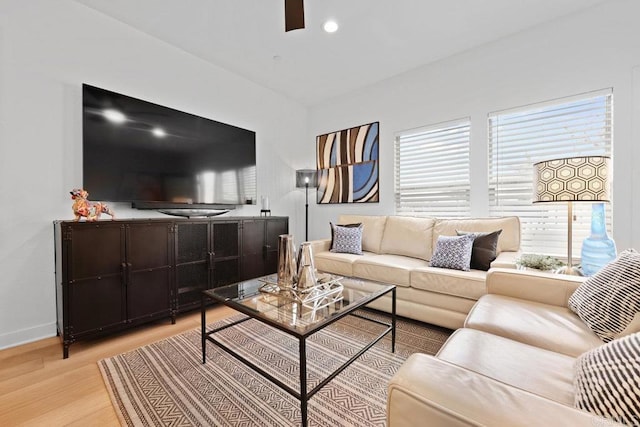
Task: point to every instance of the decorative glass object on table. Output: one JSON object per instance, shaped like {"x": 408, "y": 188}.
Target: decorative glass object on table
{"x": 326, "y": 290}
{"x": 287, "y": 268}
{"x": 297, "y": 280}
{"x": 598, "y": 249}
{"x": 306, "y": 267}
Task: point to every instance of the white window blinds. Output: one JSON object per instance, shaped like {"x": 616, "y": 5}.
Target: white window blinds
{"x": 518, "y": 138}
{"x": 432, "y": 170}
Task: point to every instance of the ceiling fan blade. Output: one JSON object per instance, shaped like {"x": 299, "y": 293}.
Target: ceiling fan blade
{"x": 293, "y": 14}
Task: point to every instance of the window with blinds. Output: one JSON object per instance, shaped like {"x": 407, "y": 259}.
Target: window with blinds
{"x": 576, "y": 126}
{"x": 432, "y": 170}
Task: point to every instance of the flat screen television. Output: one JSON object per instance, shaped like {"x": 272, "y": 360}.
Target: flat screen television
{"x": 159, "y": 158}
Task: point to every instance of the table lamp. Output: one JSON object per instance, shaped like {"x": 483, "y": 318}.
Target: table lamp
{"x": 569, "y": 180}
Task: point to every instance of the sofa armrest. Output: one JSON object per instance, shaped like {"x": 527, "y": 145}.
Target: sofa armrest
{"x": 322, "y": 245}
{"x": 431, "y": 392}
{"x": 546, "y": 288}
{"x": 506, "y": 259}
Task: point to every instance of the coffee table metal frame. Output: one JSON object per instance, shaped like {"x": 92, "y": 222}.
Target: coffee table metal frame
{"x": 303, "y": 394}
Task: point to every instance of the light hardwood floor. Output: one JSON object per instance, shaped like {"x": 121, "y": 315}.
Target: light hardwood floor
{"x": 39, "y": 388}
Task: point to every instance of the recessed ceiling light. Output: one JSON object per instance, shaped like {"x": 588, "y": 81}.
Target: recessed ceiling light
{"x": 159, "y": 132}
{"x": 330, "y": 26}
{"x": 114, "y": 116}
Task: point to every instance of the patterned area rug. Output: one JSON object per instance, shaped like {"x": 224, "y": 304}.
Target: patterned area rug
{"x": 165, "y": 383}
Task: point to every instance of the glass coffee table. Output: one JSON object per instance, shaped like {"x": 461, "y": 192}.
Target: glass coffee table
{"x": 300, "y": 316}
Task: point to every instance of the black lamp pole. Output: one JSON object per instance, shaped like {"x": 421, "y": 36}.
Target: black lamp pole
{"x": 306, "y": 210}
{"x": 306, "y": 178}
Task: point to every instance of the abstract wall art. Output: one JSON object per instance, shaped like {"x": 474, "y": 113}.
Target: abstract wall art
{"x": 347, "y": 163}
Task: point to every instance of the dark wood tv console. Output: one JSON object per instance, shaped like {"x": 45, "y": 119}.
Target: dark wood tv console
{"x": 114, "y": 275}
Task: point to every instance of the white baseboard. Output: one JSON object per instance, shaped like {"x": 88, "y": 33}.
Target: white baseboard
{"x": 27, "y": 335}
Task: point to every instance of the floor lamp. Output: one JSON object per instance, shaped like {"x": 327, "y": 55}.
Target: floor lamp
{"x": 306, "y": 178}
{"x": 569, "y": 180}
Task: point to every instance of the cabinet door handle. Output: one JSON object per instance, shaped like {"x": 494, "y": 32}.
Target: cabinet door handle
{"x": 128, "y": 273}
{"x": 123, "y": 271}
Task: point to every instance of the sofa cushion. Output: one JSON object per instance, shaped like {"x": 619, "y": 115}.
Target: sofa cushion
{"x": 373, "y": 228}
{"x": 546, "y": 326}
{"x": 608, "y": 300}
{"x": 509, "y": 238}
{"x": 410, "y": 236}
{"x": 513, "y": 363}
{"x": 347, "y": 240}
{"x": 484, "y": 250}
{"x": 435, "y": 299}
{"x": 429, "y": 307}
{"x": 506, "y": 260}
{"x": 427, "y": 391}
{"x": 335, "y": 263}
{"x": 466, "y": 284}
{"x": 395, "y": 269}
{"x": 453, "y": 252}
{"x": 606, "y": 380}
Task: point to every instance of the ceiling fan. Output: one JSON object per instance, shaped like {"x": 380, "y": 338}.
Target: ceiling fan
{"x": 293, "y": 15}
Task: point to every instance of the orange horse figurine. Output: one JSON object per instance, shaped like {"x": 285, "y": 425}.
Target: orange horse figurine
{"x": 84, "y": 208}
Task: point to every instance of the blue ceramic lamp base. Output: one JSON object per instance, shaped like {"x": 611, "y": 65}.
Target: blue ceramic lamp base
{"x": 598, "y": 249}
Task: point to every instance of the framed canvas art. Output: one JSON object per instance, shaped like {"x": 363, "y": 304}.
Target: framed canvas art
{"x": 347, "y": 163}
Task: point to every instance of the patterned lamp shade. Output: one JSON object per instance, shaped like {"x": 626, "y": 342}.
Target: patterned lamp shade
{"x": 575, "y": 179}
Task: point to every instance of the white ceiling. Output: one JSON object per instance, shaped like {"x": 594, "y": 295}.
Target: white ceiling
{"x": 377, "y": 39}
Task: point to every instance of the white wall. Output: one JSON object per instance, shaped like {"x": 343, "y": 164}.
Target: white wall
{"x": 47, "y": 50}
{"x": 595, "y": 49}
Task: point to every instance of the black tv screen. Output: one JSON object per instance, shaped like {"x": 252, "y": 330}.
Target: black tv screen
{"x": 154, "y": 156}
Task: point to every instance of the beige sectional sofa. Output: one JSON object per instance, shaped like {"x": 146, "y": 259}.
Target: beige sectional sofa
{"x": 511, "y": 365}
{"x": 397, "y": 250}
